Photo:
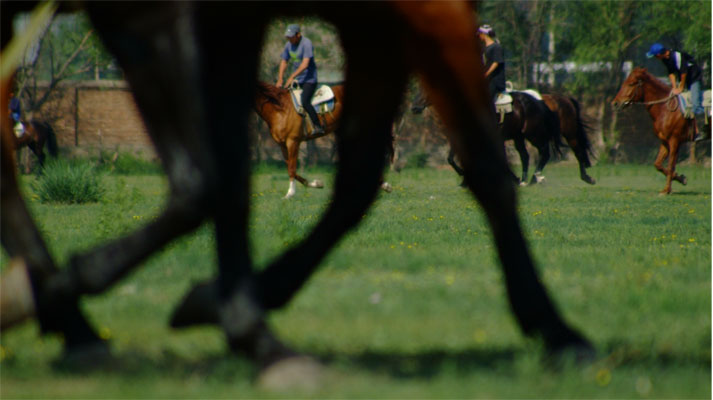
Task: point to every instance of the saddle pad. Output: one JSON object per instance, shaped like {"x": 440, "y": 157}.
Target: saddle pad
{"x": 706, "y": 98}
{"x": 322, "y": 94}
{"x": 532, "y": 93}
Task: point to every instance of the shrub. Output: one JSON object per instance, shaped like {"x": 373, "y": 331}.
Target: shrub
{"x": 72, "y": 182}
{"x": 129, "y": 164}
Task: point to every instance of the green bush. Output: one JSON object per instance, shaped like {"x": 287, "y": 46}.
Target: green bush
{"x": 72, "y": 182}
{"x": 417, "y": 160}
{"x": 129, "y": 164}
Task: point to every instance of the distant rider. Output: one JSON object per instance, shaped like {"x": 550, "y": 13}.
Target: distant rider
{"x": 494, "y": 61}
{"x": 683, "y": 66}
{"x": 299, "y": 52}
{"x": 16, "y": 114}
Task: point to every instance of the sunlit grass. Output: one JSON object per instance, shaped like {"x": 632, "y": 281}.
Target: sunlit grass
{"x": 411, "y": 303}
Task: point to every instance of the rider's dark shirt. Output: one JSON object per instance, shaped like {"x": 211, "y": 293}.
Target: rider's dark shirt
{"x": 494, "y": 53}
{"x": 683, "y": 63}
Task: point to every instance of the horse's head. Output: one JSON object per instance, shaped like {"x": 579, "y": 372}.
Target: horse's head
{"x": 631, "y": 89}
{"x": 420, "y": 102}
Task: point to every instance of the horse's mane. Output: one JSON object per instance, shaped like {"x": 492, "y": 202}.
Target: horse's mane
{"x": 656, "y": 82}
{"x": 271, "y": 93}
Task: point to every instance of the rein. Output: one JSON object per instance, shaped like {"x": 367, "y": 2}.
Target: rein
{"x": 640, "y": 85}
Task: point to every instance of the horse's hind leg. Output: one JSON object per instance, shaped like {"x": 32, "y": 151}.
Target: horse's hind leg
{"x": 462, "y": 101}
{"x": 671, "y": 173}
{"x": 37, "y": 149}
{"x": 454, "y": 164}
{"x": 362, "y": 139}
{"x": 524, "y": 158}
{"x": 21, "y": 238}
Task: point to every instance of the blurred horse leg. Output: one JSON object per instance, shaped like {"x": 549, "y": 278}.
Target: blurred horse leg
{"x": 21, "y": 239}
{"x": 462, "y": 101}
{"x": 362, "y": 138}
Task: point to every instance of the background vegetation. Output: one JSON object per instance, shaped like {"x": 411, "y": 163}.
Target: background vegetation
{"x": 410, "y": 304}
{"x": 598, "y": 38}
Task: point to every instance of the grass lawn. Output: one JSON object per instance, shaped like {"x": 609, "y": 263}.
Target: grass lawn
{"x": 411, "y": 303}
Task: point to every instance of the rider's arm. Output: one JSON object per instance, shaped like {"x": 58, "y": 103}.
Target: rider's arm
{"x": 682, "y": 85}
{"x": 491, "y": 69}
{"x": 672, "y": 78}
{"x": 281, "y": 73}
{"x": 303, "y": 66}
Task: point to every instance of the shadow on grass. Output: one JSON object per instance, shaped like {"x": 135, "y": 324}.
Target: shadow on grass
{"x": 422, "y": 365}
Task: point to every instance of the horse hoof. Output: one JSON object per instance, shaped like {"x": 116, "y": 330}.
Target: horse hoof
{"x": 316, "y": 184}
{"x": 664, "y": 192}
{"x": 199, "y": 306}
{"x": 523, "y": 183}
{"x": 289, "y": 195}
{"x": 589, "y": 180}
{"x": 298, "y": 373}
{"x": 683, "y": 180}
{"x": 386, "y": 186}
{"x": 16, "y": 301}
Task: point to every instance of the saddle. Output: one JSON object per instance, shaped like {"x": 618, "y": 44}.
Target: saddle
{"x": 503, "y": 103}
{"x": 684, "y": 102}
{"x": 322, "y": 100}
{"x": 19, "y": 130}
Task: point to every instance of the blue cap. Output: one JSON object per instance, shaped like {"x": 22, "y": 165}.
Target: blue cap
{"x": 292, "y": 30}
{"x": 656, "y": 49}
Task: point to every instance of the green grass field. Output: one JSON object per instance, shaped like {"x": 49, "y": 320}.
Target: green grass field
{"x": 411, "y": 304}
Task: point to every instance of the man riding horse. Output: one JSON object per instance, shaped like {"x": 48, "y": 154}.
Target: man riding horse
{"x": 300, "y": 53}
{"x": 689, "y": 75}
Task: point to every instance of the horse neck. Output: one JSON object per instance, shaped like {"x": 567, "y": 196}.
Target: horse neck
{"x": 263, "y": 106}
{"x": 654, "y": 90}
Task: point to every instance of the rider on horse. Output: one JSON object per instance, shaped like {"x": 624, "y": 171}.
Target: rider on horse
{"x": 689, "y": 74}
{"x": 16, "y": 114}
{"x": 299, "y": 52}
{"x": 494, "y": 61}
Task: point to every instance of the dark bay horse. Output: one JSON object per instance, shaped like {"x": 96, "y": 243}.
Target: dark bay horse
{"x": 192, "y": 125}
{"x": 574, "y": 129}
{"x": 670, "y": 126}
{"x": 274, "y": 105}
{"x": 529, "y": 120}
{"x": 36, "y": 135}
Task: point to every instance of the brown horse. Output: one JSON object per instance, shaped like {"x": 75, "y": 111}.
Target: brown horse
{"x": 670, "y": 126}
{"x": 192, "y": 125}
{"x": 35, "y": 136}
{"x": 288, "y": 128}
{"x": 574, "y": 129}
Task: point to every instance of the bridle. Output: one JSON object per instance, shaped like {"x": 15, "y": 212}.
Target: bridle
{"x": 640, "y": 87}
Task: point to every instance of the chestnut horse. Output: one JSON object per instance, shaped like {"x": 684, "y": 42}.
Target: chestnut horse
{"x": 192, "y": 125}
{"x": 670, "y": 126}
{"x": 36, "y": 135}
{"x": 274, "y": 105}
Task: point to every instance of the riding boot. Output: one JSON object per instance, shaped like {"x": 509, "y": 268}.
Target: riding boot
{"x": 703, "y": 129}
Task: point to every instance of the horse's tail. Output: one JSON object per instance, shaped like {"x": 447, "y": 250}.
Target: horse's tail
{"x": 51, "y": 141}
{"x": 583, "y": 128}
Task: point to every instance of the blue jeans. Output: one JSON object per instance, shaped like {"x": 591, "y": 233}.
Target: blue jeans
{"x": 696, "y": 97}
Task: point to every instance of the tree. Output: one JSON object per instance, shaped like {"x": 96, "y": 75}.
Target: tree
{"x": 68, "y": 49}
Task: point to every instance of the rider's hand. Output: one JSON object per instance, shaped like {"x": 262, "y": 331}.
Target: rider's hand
{"x": 677, "y": 90}
{"x": 289, "y": 83}
{"x": 279, "y": 83}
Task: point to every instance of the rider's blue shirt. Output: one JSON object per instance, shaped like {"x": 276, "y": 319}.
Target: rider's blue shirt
{"x": 294, "y": 56}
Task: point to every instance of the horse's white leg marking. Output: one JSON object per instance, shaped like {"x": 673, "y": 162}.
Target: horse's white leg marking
{"x": 539, "y": 178}
{"x": 386, "y": 186}
{"x": 291, "y": 190}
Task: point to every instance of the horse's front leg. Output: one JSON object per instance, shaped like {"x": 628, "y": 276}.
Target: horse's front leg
{"x": 524, "y": 158}
{"x": 671, "y": 173}
{"x": 454, "y": 165}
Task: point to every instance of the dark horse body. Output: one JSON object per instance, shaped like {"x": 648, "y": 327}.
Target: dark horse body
{"x": 274, "y": 105}
{"x": 574, "y": 129}
{"x": 670, "y": 126}
{"x": 192, "y": 125}
{"x": 37, "y": 135}
{"x": 529, "y": 120}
